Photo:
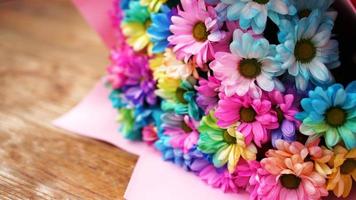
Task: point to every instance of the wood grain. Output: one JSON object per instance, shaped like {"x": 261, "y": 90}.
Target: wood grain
{"x": 49, "y": 60}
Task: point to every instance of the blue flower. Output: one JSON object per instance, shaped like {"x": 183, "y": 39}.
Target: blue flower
{"x": 159, "y": 29}
{"x": 253, "y": 13}
{"x": 124, "y": 4}
{"x": 306, "y": 7}
{"x": 330, "y": 113}
{"x": 118, "y": 99}
{"x": 307, "y": 50}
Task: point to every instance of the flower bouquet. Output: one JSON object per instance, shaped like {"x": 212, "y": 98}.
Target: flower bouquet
{"x": 247, "y": 94}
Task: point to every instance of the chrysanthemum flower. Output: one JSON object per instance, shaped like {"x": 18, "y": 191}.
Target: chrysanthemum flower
{"x": 254, "y": 117}
{"x": 331, "y": 113}
{"x": 247, "y": 173}
{"x": 149, "y": 134}
{"x": 311, "y": 151}
{"x": 195, "y": 29}
{"x": 159, "y": 29}
{"x": 208, "y": 93}
{"x": 306, "y": 7}
{"x": 134, "y": 26}
{"x": 153, "y": 5}
{"x": 226, "y": 146}
{"x": 183, "y": 101}
{"x": 307, "y": 50}
{"x": 343, "y": 171}
{"x": 253, "y": 13}
{"x": 285, "y": 109}
{"x": 290, "y": 176}
{"x": 181, "y": 129}
{"x": 249, "y": 67}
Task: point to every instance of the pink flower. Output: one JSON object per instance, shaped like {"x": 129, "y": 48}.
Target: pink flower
{"x": 254, "y": 118}
{"x": 182, "y": 131}
{"x": 208, "y": 93}
{"x": 149, "y": 134}
{"x": 249, "y": 68}
{"x": 195, "y": 29}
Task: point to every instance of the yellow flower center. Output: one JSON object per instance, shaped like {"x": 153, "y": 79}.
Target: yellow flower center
{"x": 228, "y": 138}
{"x": 335, "y": 116}
{"x": 261, "y": 1}
{"x": 249, "y": 68}
{"x": 247, "y": 115}
{"x": 290, "y": 181}
{"x": 304, "y": 13}
{"x": 186, "y": 128}
{"x": 348, "y": 167}
{"x": 199, "y": 32}
{"x": 280, "y": 115}
{"x": 304, "y": 51}
{"x": 180, "y": 95}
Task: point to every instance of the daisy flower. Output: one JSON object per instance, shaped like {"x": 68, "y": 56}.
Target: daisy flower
{"x": 253, "y": 13}
{"x": 181, "y": 129}
{"x": 183, "y": 102}
{"x": 254, "y": 118}
{"x": 247, "y": 173}
{"x": 195, "y": 29}
{"x": 284, "y": 107}
{"x": 153, "y": 5}
{"x": 290, "y": 176}
{"x": 149, "y": 134}
{"x": 307, "y": 51}
{"x": 208, "y": 93}
{"x": 330, "y": 113}
{"x": 226, "y": 146}
{"x": 249, "y": 67}
{"x": 343, "y": 171}
{"x": 159, "y": 29}
{"x": 306, "y": 7}
{"x": 134, "y": 26}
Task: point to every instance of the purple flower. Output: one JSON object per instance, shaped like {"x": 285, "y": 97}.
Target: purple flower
{"x": 208, "y": 91}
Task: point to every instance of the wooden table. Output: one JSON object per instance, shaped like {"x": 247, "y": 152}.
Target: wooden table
{"x": 49, "y": 60}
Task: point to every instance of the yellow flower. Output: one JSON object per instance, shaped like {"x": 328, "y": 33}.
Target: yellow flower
{"x": 153, "y": 5}
{"x": 343, "y": 166}
{"x": 137, "y": 36}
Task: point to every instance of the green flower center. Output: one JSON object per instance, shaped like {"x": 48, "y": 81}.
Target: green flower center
{"x": 180, "y": 95}
{"x": 228, "y": 138}
{"x": 290, "y": 181}
{"x": 147, "y": 24}
{"x": 186, "y": 128}
{"x": 250, "y": 68}
{"x": 199, "y": 32}
{"x": 348, "y": 167}
{"x": 335, "y": 116}
{"x": 247, "y": 115}
{"x": 261, "y": 1}
{"x": 304, "y": 51}
{"x": 280, "y": 115}
{"x": 304, "y": 13}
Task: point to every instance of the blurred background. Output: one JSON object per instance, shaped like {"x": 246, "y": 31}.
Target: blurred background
{"x": 49, "y": 60}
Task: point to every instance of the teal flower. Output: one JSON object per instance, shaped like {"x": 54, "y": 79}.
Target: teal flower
{"x": 225, "y": 145}
{"x": 307, "y": 51}
{"x": 306, "y": 7}
{"x": 184, "y": 101}
{"x": 253, "y": 13}
{"x": 330, "y": 113}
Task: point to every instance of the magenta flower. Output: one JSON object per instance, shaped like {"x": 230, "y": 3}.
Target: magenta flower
{"x": 182, "y": 131}
{"x": 149, "y": 134}
{"x": 208, "y": 93}
{"x": 254, "y": 118}
{"x": 195, "y": 29}
{"x": 285, "y": 109}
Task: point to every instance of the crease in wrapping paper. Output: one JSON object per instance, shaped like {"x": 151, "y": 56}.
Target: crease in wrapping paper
{"x": 94, "y": 117}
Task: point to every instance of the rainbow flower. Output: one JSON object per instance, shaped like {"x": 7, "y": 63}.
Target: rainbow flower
{"x": 249, "y": 67}
{"x": 226, "y": 145}
{"x": 134, "y": 27}
{"x": 330, "y": 113}
{"x": 195, "y": 29}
